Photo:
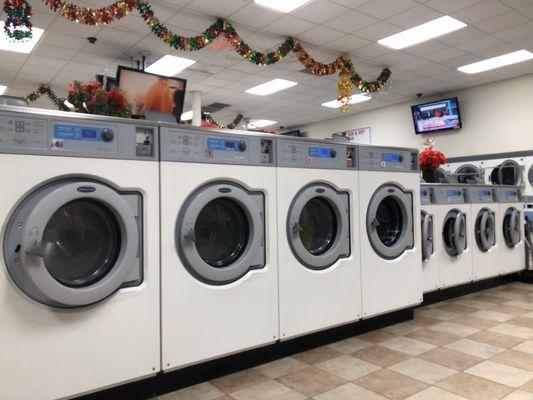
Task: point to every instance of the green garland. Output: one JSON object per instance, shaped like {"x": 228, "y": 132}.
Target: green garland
{"x": 207, "y": 117}
{"x": 46, "y": 90}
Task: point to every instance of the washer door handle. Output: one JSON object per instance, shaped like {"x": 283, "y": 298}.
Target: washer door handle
{"x": 297, "y": 228}
{"x": 36, "y": 249}
{"x": 191, "y": 235}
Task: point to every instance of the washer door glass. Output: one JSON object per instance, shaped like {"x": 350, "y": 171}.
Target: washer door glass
{"x": 511, "y": 227}
{"x": 454, "y": 233}
{"x": 485, "y": 230}
{"x": 469, "y": 174}
{"x": 318, "y": 222}
{"x": 427, "y": 235}
{"x": 507, "y": 173}
{"x": 81, "y": 243}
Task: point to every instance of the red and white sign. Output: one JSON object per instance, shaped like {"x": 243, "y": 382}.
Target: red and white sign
{"x": 361, "y": 135}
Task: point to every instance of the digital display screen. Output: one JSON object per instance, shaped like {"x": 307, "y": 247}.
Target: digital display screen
{"x": 88, "y": 133}
{"x": 319, "y": 152}
{"x": 217, "y": 144}
{"x": 77, "y": 132}
{"x": 390, "y": 157}
{"x": 437, "y": 116}
{"x": 230, "y": 145}
{"x": 486, "y": 193}
{"x": 453, "y": 193}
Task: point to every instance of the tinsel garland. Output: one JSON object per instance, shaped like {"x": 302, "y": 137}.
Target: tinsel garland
{"x": 207, "y": 117}
{"x": 43, "y": 90}
{"x": 93, "y": 16}
{"x": 18, "y": 15}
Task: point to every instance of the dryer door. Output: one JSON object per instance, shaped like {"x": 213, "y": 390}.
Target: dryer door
{"x": 389, "y": 221}
{"x": 469, "y": 173}
{"x": 427, "y": 235}
{"x": 511, "y": 227}
{"x": 485, "y": 230}
{"x": 318, "y": 226}
{"x": 74, "y": 243}
{"x": 220, "y": 233}
{"x": 507, "y": 173}
{"x": 454, "y": 233}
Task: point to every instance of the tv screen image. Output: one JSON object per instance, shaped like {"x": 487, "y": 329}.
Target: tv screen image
{"x": 437, "y": 116}
{"x": 150, "y": 93}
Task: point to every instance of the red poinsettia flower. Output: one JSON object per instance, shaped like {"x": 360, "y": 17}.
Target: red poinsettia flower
{"x": 90, "y": 87}
{"x": 116, "y": 101}
{"x": 431, "y": 159}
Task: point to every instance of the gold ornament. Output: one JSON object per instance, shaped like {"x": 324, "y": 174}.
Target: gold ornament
{"x": 345, "y": 88}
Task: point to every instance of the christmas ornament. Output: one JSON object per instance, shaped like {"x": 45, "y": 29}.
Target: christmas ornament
{"x": 92, "y": 16}
{"x": 214, "y": 124}
{"x": 17, "y": 24}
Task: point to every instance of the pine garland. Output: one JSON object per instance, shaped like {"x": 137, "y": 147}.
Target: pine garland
{"x": 46, "y": 90}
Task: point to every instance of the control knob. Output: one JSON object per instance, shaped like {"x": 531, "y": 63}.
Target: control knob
{"x": 107, "y": 135}
{"x": 241, "y": 146}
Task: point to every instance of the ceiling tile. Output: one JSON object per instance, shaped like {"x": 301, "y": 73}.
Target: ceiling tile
{"x": 516, "y": 3}
{"x": 320, "y": 11}
{"x": 480, "y": 44}
{"x": 445, "y": 54}
{"x": 217, "y": 8}
{"x": 350, "y": 22}
{"x": 481, "y": 11}
{"x": 414, "y": 16}
{"x": 257, "y": 16}
{"x": 502, "y": 22}
{"x": 347, "y": 43}
{"x": 450, "y": 6}
{"x": 371, "y": 51}
{"x": 320, "y": 35}
{"x": 461, "y": 36}
{"x": 385, "y": 8}
{"x": 354, "y": 4}
{"x": 518, "y": 32}
{"x": 289, "y": 26}
{"x": 378, "y": 31}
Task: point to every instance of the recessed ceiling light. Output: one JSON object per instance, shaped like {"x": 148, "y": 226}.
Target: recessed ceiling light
{"x": 282, "y": 5}
{"x": 169, "y": 65}
{"x": 497, "y": 62}
{"x": 260, "y": 123}
{"x": 26, "y": 47}
{"x": 356, "y": 98}
{"x": 422, "y": 33}
{"x": 273, "y": 86}
{"x": 2, "y": 89}
{"x": 186, "y": 116}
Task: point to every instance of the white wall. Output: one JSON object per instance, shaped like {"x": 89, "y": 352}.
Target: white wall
{"x": 496, "y": 118}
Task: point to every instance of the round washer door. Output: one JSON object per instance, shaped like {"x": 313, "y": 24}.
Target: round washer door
{"x": 485, "y": 230}
{"x": 427, "y": 235}
{"x": 220, "y": 233}
{"x": 511, "y": 227}
{"x": 318, "y": 226}
{"x": 469, "y": 173}
{"x": 73, "y": 243}
{"x": 389, "y": 221}
{"x": 454, "y": 233}
{"x": 530, "y": 175}
{"x": 507, "y": 173}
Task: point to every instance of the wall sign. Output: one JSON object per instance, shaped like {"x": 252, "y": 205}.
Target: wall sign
{"x": 360, "y": 135}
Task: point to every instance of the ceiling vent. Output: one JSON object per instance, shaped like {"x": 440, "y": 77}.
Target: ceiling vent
{"x": 214, "y": 107}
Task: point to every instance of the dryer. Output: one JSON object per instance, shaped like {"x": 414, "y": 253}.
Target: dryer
{"x": 80, "y": 262}
{"x": 430, "y": 239}
{"x": 219, "y": 273}
{"x": 484, "y": 212}
{"x": 455, "y": 253}
{"x": 389, "y": 201}
{"x": 319, "y": 261}
{"x": 468, "y": 171}
{"x": 510, "y": 224}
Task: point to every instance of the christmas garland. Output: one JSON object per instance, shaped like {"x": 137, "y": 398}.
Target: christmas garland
{"x": 18, "y": 15}
{"x": 46, "y": 90}
{"x": 88, "y": 16}
{"x": 207, "y": 117}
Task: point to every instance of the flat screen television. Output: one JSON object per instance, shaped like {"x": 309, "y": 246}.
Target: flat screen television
{"x": 437, "y": 116}
{"x": 151, "y": 94}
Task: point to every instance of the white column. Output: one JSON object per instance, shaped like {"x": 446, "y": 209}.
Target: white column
{"x": 196, "y": 100}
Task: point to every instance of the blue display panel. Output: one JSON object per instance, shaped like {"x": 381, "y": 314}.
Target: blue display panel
{"x": 454, "y": 193}
{"x": 320, "y": 152}
{"x": 485, "y": 193}
{"x": 76, "y": 132}
{"x": 217, "y": 144}
{"x": 391, "y": 157}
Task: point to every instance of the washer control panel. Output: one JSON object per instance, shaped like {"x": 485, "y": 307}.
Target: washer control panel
{"x": 508, "y": 195}
{"x": 186, "y": 145}
{"x": 302, "y": 154}
{"x": 426, "y": 195}
{"x": 481, "y": 195}
{"x": 450, "y": 195}
{"x": 387, "y": 159}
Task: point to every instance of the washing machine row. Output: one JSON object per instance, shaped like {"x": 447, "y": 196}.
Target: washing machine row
{"x": 120, "y": 261}
{"x": 470, "y": 233}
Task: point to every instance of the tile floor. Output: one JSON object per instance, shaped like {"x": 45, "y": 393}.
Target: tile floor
{"x": 476, "y": 347}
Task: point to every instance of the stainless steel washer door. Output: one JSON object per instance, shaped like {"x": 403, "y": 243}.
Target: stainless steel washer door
{"x": 507, "y": 173}
{"x": 511, "y": 227}
{"x": 74, "y": 243}
{"x": 427, "y": 235}
{"x": 389, "y": 221}
{"x": 220, "y": 233}
{"x": 454, "y": 233}
{"x": 318, "y": 226}
{"x": 485, "y": 230}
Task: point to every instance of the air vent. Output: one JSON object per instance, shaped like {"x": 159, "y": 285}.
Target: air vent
{"x": 214, "y": 107}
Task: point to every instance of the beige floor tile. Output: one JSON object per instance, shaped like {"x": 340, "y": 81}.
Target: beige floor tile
{"x": 203, "y": 391}
{"x": 424, "y": 371}
{"x": 391, "y": 384}
{"x": 493, "y": 315}
{"x": 425, "y": 321}
{"x": 474, "y": 388}
{"x": 347, "y": 367}
{"x": 455, "y": 329}
{"x": 433, "y": 337}
{"x": 501, "y": 373}
{"x": 451, "y": 358}
{"x": 350, "y": 345}
{"x": 528, "y": 315}
{"x": 349, "y": 391}
{"x": 519, "y": 395}
{"x": 376, "y": 336}
{"x": 515, "y": 358}
{"x": 526, "y": 347}
{"x": 496, "y": 339}
{"x": 312, "y": 381}
{"x": 481, "y": 350}
{"x": 526, "y": 305}
{"x": 239, "y": 380}
{"x": 522, "y": 321}
{"x": 434, "y": 393}
{"x": 508, "y": 310}
{"x": 458, "y": 309}
{"x": 513, "y": 330}
{"x": 480, "y": 305}
{"x": 317, "y": 355}
{"x": 474, "y": 322}
{"x": 404, "y": 328}
{"x": 270, "y": 390}
{"x": 528, "y": 386}
{"x": 279, "y": 368}
{"x": 491, "y": 298}
{"x": 436, "y": 313}
{"x": 408, "y": 346}
{"x": 379, "y": 355}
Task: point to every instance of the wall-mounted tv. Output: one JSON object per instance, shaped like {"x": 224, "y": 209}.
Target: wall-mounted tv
{"x": 437, "y": 116}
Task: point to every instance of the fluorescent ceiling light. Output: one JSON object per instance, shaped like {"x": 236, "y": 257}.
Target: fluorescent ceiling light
{"x": 261, "y": 123}
{"x": 282, "y": 5}
{"x": 2, "y": 89}
{"x": 169, "y": 65}
{"x": 26, "y": 47}
{"x": 497, "y": 62}
{"x": 273, "y": 86}
{"x": 422, "y": 33}
{"x": 356, "y": 98}
{"x": 186, "y": 116}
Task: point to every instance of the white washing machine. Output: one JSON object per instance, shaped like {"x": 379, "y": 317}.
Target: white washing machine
{"x": 389, "y": 201}
{"x": 80, "y": 253}
{"x": 510, "y": 224}
{"x": 484, "y": 210}
{"x": 318, "y": 216}
{"x": 455, "y": 253}
{"x": 219, "y": 290}
{"x": 430, "y": 239}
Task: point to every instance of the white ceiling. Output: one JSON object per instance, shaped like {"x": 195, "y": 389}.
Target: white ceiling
{"x": 327, "y": 28}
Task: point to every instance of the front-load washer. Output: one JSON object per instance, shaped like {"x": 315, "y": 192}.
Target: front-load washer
{"x": 389, "y": 201}
{"x": 484, "y": 211}
{"x": 509, "y": 229}
{"x": 319, "y": 262}
{"x": 219, "y": 290}
{"x": 455, "y": 253}
{"x": 430, "y": 239}
{"x": 80, "y": 253}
